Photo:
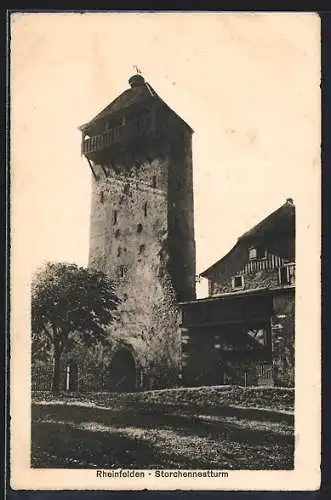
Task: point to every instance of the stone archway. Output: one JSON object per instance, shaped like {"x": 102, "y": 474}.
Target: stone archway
{"x": 123, "y": 372}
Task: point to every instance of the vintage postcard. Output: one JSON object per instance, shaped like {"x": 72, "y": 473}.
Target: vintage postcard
{"x": 165, "y": 251}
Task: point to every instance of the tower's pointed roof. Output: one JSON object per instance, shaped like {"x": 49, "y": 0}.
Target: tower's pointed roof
{"x": 140, "y": 91}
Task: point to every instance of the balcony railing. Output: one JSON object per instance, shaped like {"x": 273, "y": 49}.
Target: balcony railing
{"x": 116, "y": 136}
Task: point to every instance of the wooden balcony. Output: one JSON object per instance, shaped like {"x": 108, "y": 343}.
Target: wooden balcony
{"x": 122, "y": 136}
{"x": 268, "y": 263}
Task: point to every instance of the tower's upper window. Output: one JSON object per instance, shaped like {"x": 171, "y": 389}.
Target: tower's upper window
{"x": 115, "y": 217}
{"x": 154, "y": 181}
{"x": 139, "y": 228}
{"x": 145, "y": 209}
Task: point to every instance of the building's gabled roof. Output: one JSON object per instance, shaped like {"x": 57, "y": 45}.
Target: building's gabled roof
{"x": 139, "y": 92}
{"x": 279, "y": 222}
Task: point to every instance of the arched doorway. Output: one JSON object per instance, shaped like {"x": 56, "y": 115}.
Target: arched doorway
{"x": 123, "y": 372}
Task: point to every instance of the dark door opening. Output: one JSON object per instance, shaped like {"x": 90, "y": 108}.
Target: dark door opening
{"x": 123, "y": 372}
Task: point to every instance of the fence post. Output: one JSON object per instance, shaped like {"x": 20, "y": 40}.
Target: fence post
{"x": 67, "y": 377}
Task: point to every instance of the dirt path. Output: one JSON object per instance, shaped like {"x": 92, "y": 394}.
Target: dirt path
{"x": 73, "y": 436}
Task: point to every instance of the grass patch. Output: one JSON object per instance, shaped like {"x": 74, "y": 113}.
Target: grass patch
{"x": 272, "y": 398}
{"x": 185, "y": 428}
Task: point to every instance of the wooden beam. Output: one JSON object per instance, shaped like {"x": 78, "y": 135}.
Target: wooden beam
{"x": 248, "y": 321}
{"x": 91, "y": 167}
{"x": 104, "y": 170}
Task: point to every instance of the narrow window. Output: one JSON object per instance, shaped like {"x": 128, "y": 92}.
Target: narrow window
{"x": 154, "y": 181}
{"x": 142, "y": 249}
{"x": 119, "y": 251}
{"x": 115, "y": 217}
{"x": 123, "y": 271}
{"x": 139, "y": 228}
{"x": 145, "y": 209}
{"x": 102, "y": 197}
{"x": 117, "y": 233}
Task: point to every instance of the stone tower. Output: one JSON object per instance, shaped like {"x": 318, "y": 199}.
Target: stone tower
{"x": 142, "y": 229}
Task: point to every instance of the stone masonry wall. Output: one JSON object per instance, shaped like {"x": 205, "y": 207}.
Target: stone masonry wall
{"x": 266, "y": 278}
{"x": 129, "y": 235}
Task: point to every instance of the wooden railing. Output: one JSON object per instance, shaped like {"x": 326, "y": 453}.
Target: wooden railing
{"x": 120, "y": 135}
{"x": 270, "y": 262}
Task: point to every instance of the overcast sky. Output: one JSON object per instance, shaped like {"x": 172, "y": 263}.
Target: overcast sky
{"x": 248, "y": 84}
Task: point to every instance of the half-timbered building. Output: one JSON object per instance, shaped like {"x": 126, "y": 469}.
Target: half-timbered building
{"x": 243, "y": 332}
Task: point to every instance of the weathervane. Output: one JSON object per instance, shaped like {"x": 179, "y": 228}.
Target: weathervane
{"x": 137, "y": 69}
